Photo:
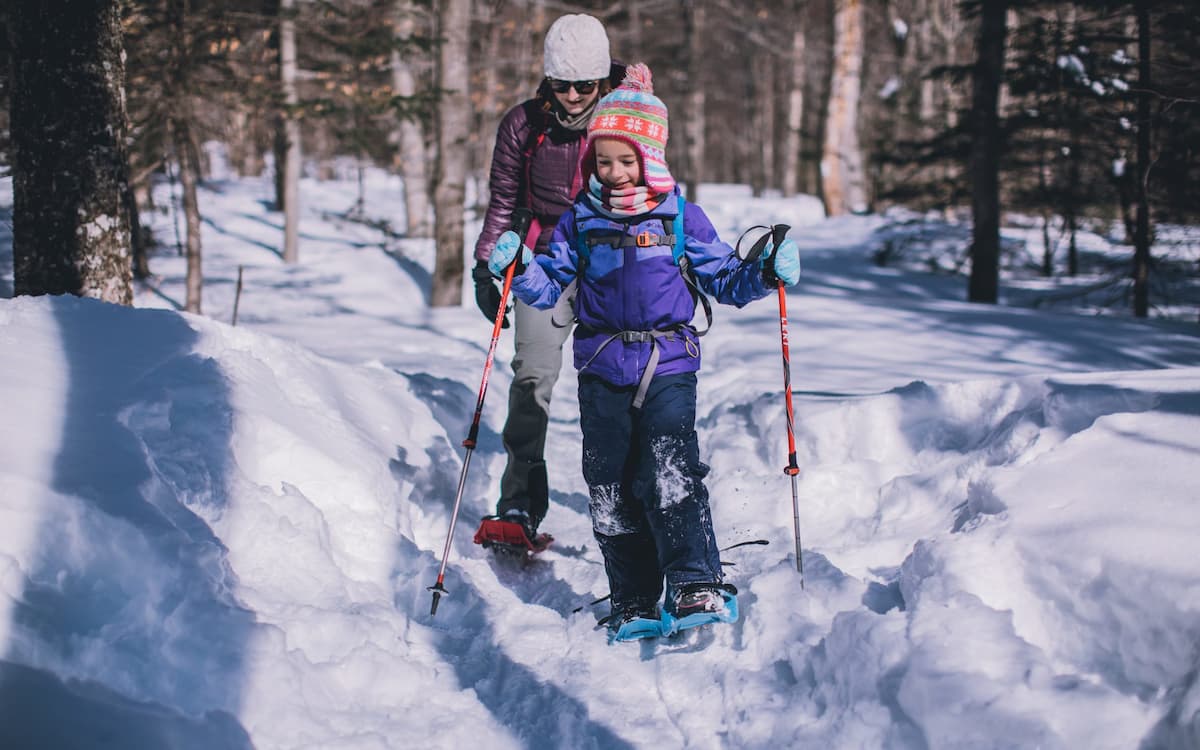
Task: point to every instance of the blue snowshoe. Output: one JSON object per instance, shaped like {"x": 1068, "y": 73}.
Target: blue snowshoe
{"x": 696, "y": 604}
{"x": 634, "y": 623}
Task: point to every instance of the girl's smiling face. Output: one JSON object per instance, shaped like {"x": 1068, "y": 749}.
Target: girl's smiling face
{"x": 617, "y": 163}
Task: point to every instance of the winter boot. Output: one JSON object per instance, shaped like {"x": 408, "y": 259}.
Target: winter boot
{"x": 634, "y": 622}
{"x": 511, "y": 534}
{"x": 522, "y": 519}
{"x": 696, "y": 604}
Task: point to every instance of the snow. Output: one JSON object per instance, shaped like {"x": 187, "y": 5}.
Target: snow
{"x": 217, "y": 536}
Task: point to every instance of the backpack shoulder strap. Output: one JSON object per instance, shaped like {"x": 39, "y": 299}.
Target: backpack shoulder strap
{"x": 679, "y": 253}
{"x": 677, "y": 250}
{"x": 537, "y": 126}
{"x": 537, "y": 133}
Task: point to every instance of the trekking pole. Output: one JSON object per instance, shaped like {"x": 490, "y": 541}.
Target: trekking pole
{"x": 777, "y": 234}
{"x": 793, "y": 468}
{"x": 520, "y": 224}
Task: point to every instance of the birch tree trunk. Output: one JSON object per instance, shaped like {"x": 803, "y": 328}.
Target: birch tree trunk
{"x": 409, "y": 136}
{"x": 842, "y": 177}
{"x": 984, "y": 283}
{"x": 454, "y": 123}
{"x": 186, "y": 158}
{"x": 71, "y": 232}
{"x": 795, "y": 113}
{"x": 291, "y": 130}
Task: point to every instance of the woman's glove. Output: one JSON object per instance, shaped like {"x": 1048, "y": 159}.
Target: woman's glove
{"x": 487, "y": 294}
{"x": 509, "y": 249}
{"x": 786, "y": 264}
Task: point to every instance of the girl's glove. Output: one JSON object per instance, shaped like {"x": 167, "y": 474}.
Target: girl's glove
{"x": 508, "y": 249}
{"x": 786, "y": 264}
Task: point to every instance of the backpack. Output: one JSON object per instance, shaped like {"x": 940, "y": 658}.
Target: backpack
{"x": 586, "y": 240}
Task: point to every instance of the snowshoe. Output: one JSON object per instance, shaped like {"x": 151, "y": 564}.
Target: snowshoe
{"x": 696, "y": 604}
{"x": 511, "y": 535}
{"x": 634, "y": 624}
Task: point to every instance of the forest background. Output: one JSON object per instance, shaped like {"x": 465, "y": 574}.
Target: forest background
{"x": 1074, "y": 115}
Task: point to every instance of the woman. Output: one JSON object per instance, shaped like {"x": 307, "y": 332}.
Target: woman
{"x": 535, "y": 165}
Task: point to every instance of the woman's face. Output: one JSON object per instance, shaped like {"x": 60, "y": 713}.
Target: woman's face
{"x": 570, "y": 99}
{"x": 617, "y": 164}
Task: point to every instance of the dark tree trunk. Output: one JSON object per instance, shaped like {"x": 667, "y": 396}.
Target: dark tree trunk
{"x": 690, "y": 170}
{"x": 279, "y": 147}
{"x": 984, "y": 285}
{"x": 1141, "y": 235}
{"x": 1072, "y": 244}
{"x": 71, "y": 232}
{"x": 138, "y": 238}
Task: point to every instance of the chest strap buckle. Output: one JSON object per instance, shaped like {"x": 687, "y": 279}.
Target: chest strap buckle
{"x": 646, "y": 239}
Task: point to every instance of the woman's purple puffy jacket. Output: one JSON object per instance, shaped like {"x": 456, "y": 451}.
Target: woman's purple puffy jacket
{"x": 552, "y": 171}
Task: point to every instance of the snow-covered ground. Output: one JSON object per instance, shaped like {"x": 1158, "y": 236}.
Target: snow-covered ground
{"x": 222, "y": 537}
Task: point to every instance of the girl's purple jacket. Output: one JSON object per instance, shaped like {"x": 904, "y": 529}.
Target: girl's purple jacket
{"x": 637, "y": 288}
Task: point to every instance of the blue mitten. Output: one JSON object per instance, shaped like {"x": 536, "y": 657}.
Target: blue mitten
{"x": 787, "y": 261}
{"x": 508, "y": 247}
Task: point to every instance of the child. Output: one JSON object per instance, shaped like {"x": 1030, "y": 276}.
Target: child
{"x": 637, "y": 355}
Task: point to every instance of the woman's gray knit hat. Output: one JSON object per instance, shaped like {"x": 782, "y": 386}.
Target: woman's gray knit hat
{"x": 576, "y": 49}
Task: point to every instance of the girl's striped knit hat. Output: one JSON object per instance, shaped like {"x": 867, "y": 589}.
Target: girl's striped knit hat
{"x": 634, "y": 114}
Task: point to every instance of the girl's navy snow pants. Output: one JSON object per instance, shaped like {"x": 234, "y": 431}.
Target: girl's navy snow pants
{"x": 648, "y": 503}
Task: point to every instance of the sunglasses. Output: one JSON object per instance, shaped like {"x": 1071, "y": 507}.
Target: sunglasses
{"x": 581, "y": 87}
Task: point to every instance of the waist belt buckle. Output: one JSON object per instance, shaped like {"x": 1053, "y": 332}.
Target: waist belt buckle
{"x": 631, "y": 337}
{"x": 645, "y": 239}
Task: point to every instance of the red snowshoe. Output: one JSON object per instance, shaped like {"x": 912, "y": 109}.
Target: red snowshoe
{"x": 510, "y": 537}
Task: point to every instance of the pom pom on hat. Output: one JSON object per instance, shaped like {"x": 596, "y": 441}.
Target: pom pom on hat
{"x": 576, "y": 49}
{"x": 638, "y": 78}
{"x": 635, "y": 115}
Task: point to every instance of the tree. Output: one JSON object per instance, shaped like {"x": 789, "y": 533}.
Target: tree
{"x": 291, "y": 131}
{"x": 919, "y": 145}
{"x": 984, "y": 284}
{"x": 1141, "y": 255}
{"x": 454, "y": 125}
{"x": 179, "y": 124}
{"x": 71, "y": 232}
{"x": 410, "y": 140}
{"x": 198, "y": 73}
{"x": 843, "y": 186}
{"x": 795, "y": 105}
{"x": 693, "y": 130}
